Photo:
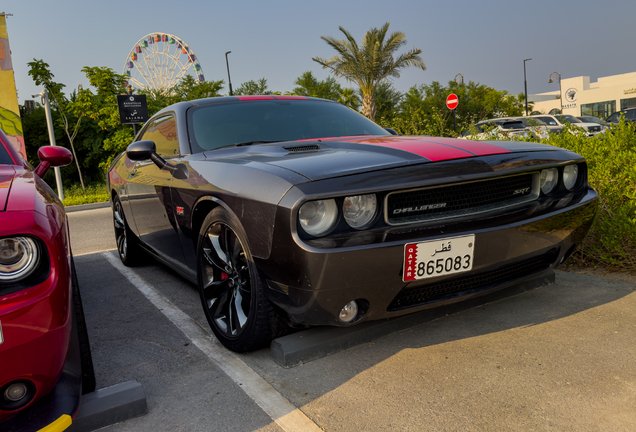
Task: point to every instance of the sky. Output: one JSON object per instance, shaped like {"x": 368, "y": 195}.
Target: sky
{"x": 486, "y": 40}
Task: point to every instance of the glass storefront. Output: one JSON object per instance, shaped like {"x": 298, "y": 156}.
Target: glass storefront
{"x": 628, "y": 103}
{"x": 600, "y": 109}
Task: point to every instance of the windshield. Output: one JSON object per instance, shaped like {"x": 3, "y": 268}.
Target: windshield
{"x": 590, "y": 119}
{"x": 566, "y": 118}
{"x": 548, "y": 121}
{"x": 222, "y": 124}
{"x": 531, "y": 122}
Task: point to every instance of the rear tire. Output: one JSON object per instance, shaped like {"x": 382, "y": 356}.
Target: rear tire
{"x": 230, "y": 286}
{"x": 88, "y": 371}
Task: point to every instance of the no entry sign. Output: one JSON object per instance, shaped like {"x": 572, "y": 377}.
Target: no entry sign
{"x": 452, "y": 101}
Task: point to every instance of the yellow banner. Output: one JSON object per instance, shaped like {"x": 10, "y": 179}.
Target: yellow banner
{"x": 10, "y": 121}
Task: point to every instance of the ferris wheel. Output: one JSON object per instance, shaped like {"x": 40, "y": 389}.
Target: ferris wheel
{"x": 159, "y": 60}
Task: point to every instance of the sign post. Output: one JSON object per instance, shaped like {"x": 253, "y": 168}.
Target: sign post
{"x": 133, "y": 109}
{"x": 451, "y": 102}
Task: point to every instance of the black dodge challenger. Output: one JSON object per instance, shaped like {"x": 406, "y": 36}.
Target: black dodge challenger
{"x": 288, "y": 210}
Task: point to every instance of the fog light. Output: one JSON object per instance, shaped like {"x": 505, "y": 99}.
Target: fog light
{"x": 16, "y": 392}
{"x": 349, "y": 312}
{"x": 16, "y": 395}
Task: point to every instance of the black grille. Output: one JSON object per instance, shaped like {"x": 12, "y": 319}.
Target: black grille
{"x": 302, "y": 148}
{"x": 458, "y": 200}
{"x": 594, "y": 129}
{"x": 456, "y": 287}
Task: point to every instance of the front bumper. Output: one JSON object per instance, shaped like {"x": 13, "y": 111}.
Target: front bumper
{"x": 55, "y": 411}
{"x": 312, "y": 282}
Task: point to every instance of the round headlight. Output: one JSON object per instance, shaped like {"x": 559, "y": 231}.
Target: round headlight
{"x": 549, "y": 179}
{"x": 359, "y": 211}
{"x": 318, "y": 217}
{"x": 570, "y": 176}
{"x": 18, "y": 258}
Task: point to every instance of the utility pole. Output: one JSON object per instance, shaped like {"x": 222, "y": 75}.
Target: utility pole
{"x": 525, "y": 83}
{"x": 228, "y": 72}
{"x": 44, "y": 95}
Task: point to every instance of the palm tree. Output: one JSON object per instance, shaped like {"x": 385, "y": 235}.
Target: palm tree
{"x": 371, "y": 62}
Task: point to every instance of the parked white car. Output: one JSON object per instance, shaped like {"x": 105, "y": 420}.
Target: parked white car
{"x": 559, "y": 120}
{"x": 506, "y": 127}
{"x": 495, "y": 129}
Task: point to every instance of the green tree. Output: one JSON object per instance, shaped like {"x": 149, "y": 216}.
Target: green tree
{"x": 252, "y": 87}
{"x": 370, "y": 63}
{"x": 349, "y": 97}
{"x": 101, "y": 106}
{"x": 41, "y": 74}
{"x": 187, "y": 89}
{"x": 387, "y": 101}
{"x": 308, "y": 85}
{"x": 423, "y": 108}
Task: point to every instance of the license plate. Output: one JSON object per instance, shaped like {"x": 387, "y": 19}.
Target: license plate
{"x": 438, "y": 257}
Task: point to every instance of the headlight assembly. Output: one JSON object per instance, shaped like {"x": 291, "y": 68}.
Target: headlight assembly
{"x": 570, "y": 176}
{"x": 549, "y": 178}
{"x": 359, "y": 211}
{"x": 318, "y": 217}
{"x": 19, "y": 257}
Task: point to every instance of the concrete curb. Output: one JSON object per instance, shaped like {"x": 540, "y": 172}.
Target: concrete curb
{"x": 302, "y": 347}
{"x": 110, "y": 405}
{"x": 92, "y": 206}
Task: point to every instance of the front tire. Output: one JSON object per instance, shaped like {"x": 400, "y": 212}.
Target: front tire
{"x": 230, "y": 286}
{"x": 128, "y": 248}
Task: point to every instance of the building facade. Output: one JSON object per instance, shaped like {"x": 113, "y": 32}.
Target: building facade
{"x": 579, "y": 96}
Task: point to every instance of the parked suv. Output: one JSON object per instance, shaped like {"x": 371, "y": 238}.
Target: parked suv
{"x": 629, "y": 113}
{"x": 560, "y": 120}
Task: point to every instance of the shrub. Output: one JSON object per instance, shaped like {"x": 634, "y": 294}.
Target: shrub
{"x": 75, "y": 195}
{"x": 611, "y": 160}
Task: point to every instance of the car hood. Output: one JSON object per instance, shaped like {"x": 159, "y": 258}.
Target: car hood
{"x": 333, "y": 157}
{"x": 7, "y": 173}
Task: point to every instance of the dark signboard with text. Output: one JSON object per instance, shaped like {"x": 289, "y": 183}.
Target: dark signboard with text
{"x": 132, "y": 109}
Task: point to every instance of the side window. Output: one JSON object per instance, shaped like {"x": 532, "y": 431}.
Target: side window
{"x": 163, "y": 131}
{"x": 613, "y": 118}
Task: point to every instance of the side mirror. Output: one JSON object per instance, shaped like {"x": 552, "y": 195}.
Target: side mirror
{"x": 52, "y": 156}
{"x": 391, "y": 131}
{"x": 141, "y": 150}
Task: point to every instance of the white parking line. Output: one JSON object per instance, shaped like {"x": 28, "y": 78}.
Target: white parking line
{"x": 283, "y": 412}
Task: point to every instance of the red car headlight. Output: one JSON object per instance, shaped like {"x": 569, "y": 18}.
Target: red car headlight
{"x": 19, "y": 258}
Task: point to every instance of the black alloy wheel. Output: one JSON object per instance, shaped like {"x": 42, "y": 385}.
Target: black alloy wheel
{"x": 127, "y": 247}
{"x": 229, "y": 285}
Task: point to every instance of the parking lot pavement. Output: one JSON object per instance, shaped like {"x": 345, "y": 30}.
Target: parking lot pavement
{"x": 92, "y": 231}
{"x": 559, "y": 357}
{"x": 132, "y": 340}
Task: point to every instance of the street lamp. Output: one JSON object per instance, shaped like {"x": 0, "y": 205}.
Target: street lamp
{"x": 559, "y": 79}
{"x": 459, "y": 75}
{"x": 228, "y": 72}
{"x": 525, "y": 83}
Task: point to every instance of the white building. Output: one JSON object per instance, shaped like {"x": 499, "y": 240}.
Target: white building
{"x": 581, "y": 97}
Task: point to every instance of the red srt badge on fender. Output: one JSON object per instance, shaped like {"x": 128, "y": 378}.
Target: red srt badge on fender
{"x": 179, "y": 211}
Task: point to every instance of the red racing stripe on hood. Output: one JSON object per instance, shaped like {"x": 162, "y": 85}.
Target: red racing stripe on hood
{"x": 430, "y": 150}
{"x": 255, "y": 97}
{"x": 476, "y": 147}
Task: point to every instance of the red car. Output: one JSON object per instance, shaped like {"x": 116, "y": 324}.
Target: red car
{"x": 45, "y": 361}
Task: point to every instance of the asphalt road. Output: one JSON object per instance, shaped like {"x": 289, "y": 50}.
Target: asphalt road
{"x": 556, "y": 358}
